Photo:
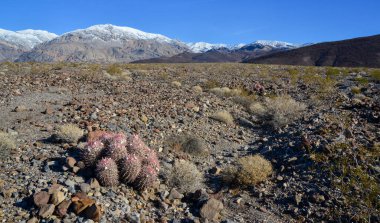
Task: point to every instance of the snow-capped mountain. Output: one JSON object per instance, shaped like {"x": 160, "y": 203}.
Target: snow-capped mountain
{"x": 201, "y": 47}
{"x": 275, "y": 44}
{"x": 105, "y": 44}
{"x": 26, "y": 38}
{"x": 109, "y": 43}
{"x": 108, "y": 32}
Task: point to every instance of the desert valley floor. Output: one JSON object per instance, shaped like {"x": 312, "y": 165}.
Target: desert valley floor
{"x": 312, "y": 133}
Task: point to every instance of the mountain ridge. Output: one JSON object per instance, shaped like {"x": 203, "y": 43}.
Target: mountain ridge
{"x": 361, "y": 51}
{"x": 107, "y": 43}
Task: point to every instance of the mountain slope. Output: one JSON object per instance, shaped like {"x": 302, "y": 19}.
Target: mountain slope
{"x": 218, "y": 55}
{"x": 358, "y": 52}
{"x": 201, "y": 47}
{"x": 13, "y": 44}
{"x": 104, "y": 44}
{"x": 26, "y": 38}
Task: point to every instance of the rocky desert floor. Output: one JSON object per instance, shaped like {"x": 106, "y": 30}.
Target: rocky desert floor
{"x": 315, "y": 131}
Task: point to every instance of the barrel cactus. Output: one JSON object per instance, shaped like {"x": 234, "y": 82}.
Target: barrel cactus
{"x": 130, "y": 167}
{"x": 146, "y": 178}
{"x": 116, "y": 147}
{"x": 107, "y": 173}
{"x": 92, "y": 152}
{"x": 118, "y": 157}
{"x": 136, "y": 146}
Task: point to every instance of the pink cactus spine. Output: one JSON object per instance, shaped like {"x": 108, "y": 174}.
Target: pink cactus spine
{"x": 130, "y": 167}
{"x": 106, "y": 172}
{"x": 151, "y": 159}
{"x": 146, "y": 178}
{"x": 136, "y": 146}
{"x": 116, "y": 147}
{"x": 92, "y": 152}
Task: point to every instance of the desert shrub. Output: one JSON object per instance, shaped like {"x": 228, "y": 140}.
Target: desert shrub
{"x": 244, "y": 101}
{"x": 7, "y": 144}
{"x": 197, "y": 89}
{"x": 176, "y": 84}
{"x": 190, "y": 144}
{"x": 355, "y": 90}
{"x": 249, "y": 171}
{"x": 185, "y": 176}
{"x": 226, "y": 92}
{"x": 223, "y": 116}
{"x": 114, "y": 69}
{"x": 220, "y": 91}
{"x": 209, "y": 84}
{"x": 330, "y": 71}
{"x": 354, "y": 178}
{"x": 69, "y": 133}
{"x": 375, "y": 74}
{"x": 293, "y": 72}
{"x": 362, "y": 80}
{"x": 279, "y": 111}
{"x": 194, "y": 145}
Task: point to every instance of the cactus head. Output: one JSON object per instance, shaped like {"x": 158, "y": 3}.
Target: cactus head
{"x": 106, "y": 172}
{"x": 136, "y": 146}
{"x": 91, "y": 152}
{"x": 116, "y": 147}
{"x": 130, "y": 167}
{"x": 146, "y": 178}
{"x": 151, "y": 159}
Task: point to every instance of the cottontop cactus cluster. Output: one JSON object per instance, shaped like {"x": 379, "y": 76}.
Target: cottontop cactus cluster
{"x": 118, "y": 158}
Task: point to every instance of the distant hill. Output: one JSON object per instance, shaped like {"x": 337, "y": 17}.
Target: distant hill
{"x": 358, "y": 52}
{"x": 224, "y": 54}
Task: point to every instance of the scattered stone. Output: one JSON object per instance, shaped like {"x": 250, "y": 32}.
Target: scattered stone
{"x": 174, "y": 194}
{"x": 84, "y": 187}
{"x": 70, "y": 183}
{"x": 41, "y": 198}
{"x": 46, "y": 210}
{"x": 62, "y": 208}
{"x": 57, "y": 197}
{"x": 94, "y": 183}
{"x": 93, "y": 212}
{"x": 70, "y": 161}
{"x": 33, "y": 220}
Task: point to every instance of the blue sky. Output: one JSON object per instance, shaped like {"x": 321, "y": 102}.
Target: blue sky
{"x": 215, "y": 21}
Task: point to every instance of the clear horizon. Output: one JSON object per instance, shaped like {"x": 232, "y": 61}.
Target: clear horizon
{"x": 209, "y": 21}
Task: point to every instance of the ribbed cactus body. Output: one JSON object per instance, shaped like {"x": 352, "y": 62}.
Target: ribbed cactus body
{"x": 136, "y": 146}
{"x": 116, "y": 156}
{"x": 92, "y": 152}
{"x": 116, "y": 147}
{"x": 130, "y": 167}
{"x": 106, "y": 172}
{"x": 146, "y": 178}
{"x": 151, "y": 159}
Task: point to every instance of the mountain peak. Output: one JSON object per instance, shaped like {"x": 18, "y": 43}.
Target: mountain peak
{"x": 28, "y": 38}
{"x": 109, "y": 32}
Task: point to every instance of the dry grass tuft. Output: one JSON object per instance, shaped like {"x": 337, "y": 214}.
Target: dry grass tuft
{"x": 279, "y": 111}
{"x": 176, "y": 84}
{"x": 197, "y": 89}
{"x": 69, "y": 133}
{"x": 223, "y": 116}
{"x": 225, "y": 91}
{"x": 185, "y": 176}
{"x": 250, "y": 171}
{"x": 356, "y": 90}
{"x": 195, "y": 146}
{"x": 7, "y": 144}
